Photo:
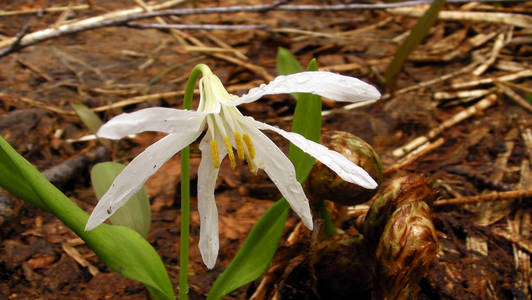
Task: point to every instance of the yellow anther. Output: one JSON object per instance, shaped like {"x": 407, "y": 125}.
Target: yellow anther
{"x": 227, "y": 143}
{"x": 249, "y": 145}
{"x": 214, "y": 153}
{"x": 239, "y": 145}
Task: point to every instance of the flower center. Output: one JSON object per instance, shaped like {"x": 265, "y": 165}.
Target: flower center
{"x": 244, "y": 148}
{"x": 225, "y": 127}
{"x": 213, "y": 94}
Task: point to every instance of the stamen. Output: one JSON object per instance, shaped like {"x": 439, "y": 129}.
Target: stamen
{"x": 249, "y": 145}
{"x": 252, "y": 167}
{"x": 239, "y": 145}
{"x": 214, "y": 153}
{"x": 227, "y": 143}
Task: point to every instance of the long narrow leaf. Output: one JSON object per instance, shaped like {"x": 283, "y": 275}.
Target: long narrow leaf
{"x": 411, "y": 42}
{"x": 88, "y": 117}
{"x": 120, "y": 248}
{"x": 137, "y": 213}
{"x": 256, "y": 252}
{"x": 262, "y": 242}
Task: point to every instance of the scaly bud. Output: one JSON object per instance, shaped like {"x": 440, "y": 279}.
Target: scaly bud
{"x": 324, "y": 184}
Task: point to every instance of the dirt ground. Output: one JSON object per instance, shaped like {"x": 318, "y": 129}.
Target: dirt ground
{"x": 479, "y": 165}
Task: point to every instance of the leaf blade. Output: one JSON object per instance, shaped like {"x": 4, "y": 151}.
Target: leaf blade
{"x": 136, "y": 214}
{"x": 120, "y": 248}
{"x": 415, "y": 37}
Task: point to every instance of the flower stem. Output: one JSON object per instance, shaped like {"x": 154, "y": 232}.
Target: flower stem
{"x": 185, "y": 189}
{"x": 329, "y": 229}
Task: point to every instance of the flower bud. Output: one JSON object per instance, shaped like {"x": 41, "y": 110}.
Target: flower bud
{"x": 397, "y": 192}
{"x": 407, "y": 247}
{"x": 324, "y": 184}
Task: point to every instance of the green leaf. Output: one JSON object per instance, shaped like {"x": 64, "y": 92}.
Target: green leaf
{"x": 307, "y": 115}
{"x": 88, "y": 117}
{"x": 307, "y": 122}
{"x": 411, "y": 42}
{"x": 120, "y": 248}
{"x": 262, "y": 242}
{"x": 136, "y": 213}
{"x": 16, "y": 184}
{"x": 256, "y": 252}
{"x": 287, "y": 63}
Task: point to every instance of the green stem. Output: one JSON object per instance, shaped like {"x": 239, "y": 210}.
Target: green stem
{"x": 185, "y": 189}
{"x": 329, "y": 228}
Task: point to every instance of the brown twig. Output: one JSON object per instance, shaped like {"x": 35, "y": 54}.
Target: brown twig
{"x": 75, "y": 26}
{"x": 194, "y": 26}
{"x": 16, "y": 41}
{"x": 480, "y": 106}
{"x": 514, "y": 96}
{"x": 494, "y": 196}
{"x": 4, "y": 13}
{"x": 35, "y": 69}
{"x": 508, "y": 77}
{"x": 518, "y": 20}
{"x": 137, "y": 13}
{"x": 500, "y": 42}
{"x": 415, "y": 155}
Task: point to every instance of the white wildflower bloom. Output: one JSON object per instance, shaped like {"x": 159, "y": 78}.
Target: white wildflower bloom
{"x": 229, "y": 133}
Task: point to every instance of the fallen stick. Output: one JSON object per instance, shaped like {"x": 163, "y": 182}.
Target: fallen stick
{"x": 414, "y": 155}
{"x": 518, "y": 20}
{"x": 76, "y": 26}
{"x": 480, "y": 106}
{"x": 494, "y": 196}
{"x": 6, "y": 13}
{"x": 194, "y": 26}
{"x": 60, "y": 174}
{"x": 514, "y": 96}
{"x": 137, "y": 13}
{"x": 508, "y": 77}
{"x": 500, "y": 41}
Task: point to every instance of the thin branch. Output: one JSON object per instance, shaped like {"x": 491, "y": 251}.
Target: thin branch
{"x": 16, "y": 43}
{"x": 5, "y": 13}
{"x": 76, "y": 26}
{"x": 494, "y": 196}
{"x": 194, "y": 26}
{"x": 414, "y": 155}
{"x": 518, "y": 20}
{"x": 124, "y": 16}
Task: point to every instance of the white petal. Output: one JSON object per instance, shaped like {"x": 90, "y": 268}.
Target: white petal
{"x": 330, "y": 85}
{"x": 281, "y": 171}
{"x": 161, "y": 119}
{"x": 207, "y": 174}
{"x": 135, "y": 174}
{"x": 342, "y": 166}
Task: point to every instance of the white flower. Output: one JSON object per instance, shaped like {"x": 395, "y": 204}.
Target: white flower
{"x": 228, "y": 129}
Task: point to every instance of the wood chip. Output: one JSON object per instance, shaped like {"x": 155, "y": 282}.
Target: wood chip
{"x": 72, "y": 252}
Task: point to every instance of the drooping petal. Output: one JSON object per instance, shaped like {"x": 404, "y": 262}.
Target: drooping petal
{"x": 161, "y": 119}
{"x": 135, "y": 174}
{"x": 342, "y": 166}
{"x": 281, "y": 171}
{"x": 207, "y": 174}
{"x": 327, "y": 84}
